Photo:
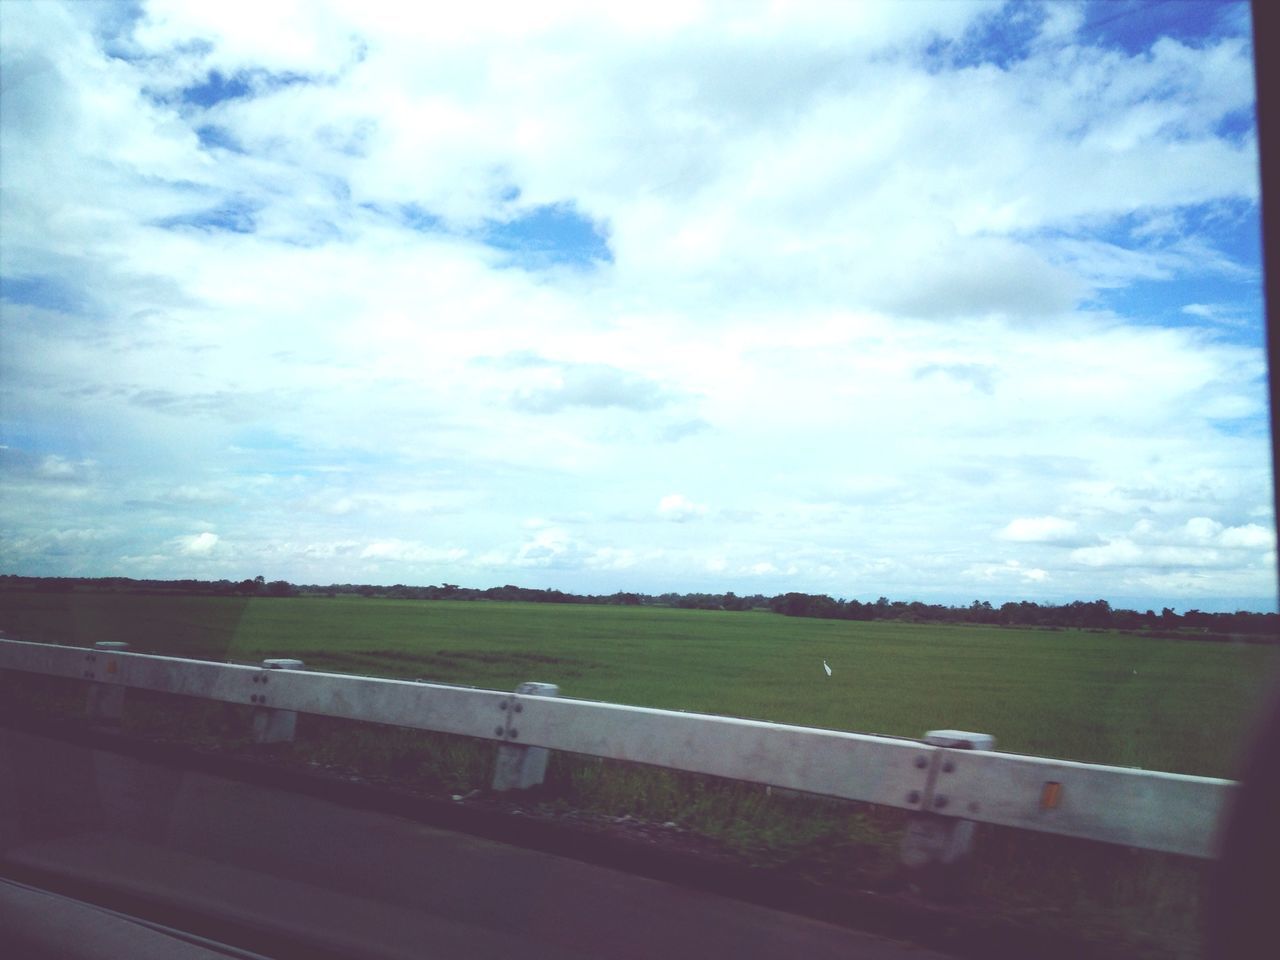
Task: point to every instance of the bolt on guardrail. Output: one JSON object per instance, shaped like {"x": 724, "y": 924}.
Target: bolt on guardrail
{"x": 271, "y": 725}
{"x": 519, "y": 767}
{"x": 935, "y": 845}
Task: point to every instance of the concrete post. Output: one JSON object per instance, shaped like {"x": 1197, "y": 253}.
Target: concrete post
{"x": 274, "y": 726}
{"x": 935, "y": 846}
{"x": 104, "y": 703}
{"x": 520, "y": 767}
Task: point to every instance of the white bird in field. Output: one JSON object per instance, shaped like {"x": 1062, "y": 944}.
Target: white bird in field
{"x": 827, "y": 667}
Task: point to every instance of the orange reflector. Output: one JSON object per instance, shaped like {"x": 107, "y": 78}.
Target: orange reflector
{"x": 111, "y": 666}
{"x": 1050, "y": 796}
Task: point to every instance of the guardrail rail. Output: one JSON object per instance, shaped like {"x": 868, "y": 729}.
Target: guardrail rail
{"x": 942, "y": 778}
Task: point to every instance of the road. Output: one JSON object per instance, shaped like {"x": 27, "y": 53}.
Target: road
{"x": 304, "y": 876}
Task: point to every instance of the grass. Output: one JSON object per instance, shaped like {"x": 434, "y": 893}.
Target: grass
{"x": 1175, "y": 705}
{"x": 1172, "y": 705}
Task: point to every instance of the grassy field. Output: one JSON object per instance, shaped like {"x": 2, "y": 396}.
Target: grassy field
{"x": 1181, "y": 706}
{"x": 1174, "y": 705}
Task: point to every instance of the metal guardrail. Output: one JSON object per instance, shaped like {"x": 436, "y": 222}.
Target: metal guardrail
{"x": 1138, "y": 808}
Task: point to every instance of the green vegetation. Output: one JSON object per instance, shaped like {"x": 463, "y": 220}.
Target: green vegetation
{"x": 1242, "y": 625}
{"x": 1103, "y": 697}
{"x": 1093, "y": 695}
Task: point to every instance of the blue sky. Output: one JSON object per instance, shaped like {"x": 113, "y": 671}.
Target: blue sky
{"x": 935, "y": 300}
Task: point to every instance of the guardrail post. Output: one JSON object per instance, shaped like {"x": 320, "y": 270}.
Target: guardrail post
{"x": 520, "y": 767}
{"x": 104, "y": 702}
{"x": 273, "y": 726}
{"x": 937, "y": 843}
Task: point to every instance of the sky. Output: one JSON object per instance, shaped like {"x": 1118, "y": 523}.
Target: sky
{"x": 938, "y": 301}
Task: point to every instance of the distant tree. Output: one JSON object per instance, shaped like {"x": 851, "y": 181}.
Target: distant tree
{"x": 1194, "y": 618}
{"x": 853, "y": 610}
{"x": 1096, "y": 614}
{"x": 1126, "y": 619}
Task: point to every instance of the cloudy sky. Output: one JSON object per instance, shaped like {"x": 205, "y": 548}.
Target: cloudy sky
{"x": 939, "y": 301}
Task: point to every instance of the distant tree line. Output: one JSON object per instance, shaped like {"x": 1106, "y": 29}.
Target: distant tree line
{"x": 1092, "y": 615}
{"x": 254, "y": 587}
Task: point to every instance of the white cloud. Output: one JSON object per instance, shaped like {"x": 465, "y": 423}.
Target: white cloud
{"x": 55, "y": 467}
{"x": 1200, "y": 542}
{"x": 189, "y": 493}
{"x": 613, "y": 558}
{"x": 197, "y": 544}
{"x": 548, "y": 547}
{"x": 678, "y": 507}
{"x": 1040, "y": 530}
{"x": 1010, "y": 571}
{"x": 1202, "y": 529}
{"x": 1230, "y": 316}
{"x": 402, "y": 551}
{"x": 1247, "y": 536}
{"x": 1118, "y": 552}
{"x": 588, "y": 385}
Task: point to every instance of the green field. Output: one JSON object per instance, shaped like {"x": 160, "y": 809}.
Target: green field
{"x": 1176, "y": 705}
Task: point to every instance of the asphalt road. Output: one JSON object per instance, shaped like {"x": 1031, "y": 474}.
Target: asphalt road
{"x": 288, "y": 874}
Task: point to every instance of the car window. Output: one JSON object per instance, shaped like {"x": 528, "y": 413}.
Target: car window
{"x": 885, "y": 368}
